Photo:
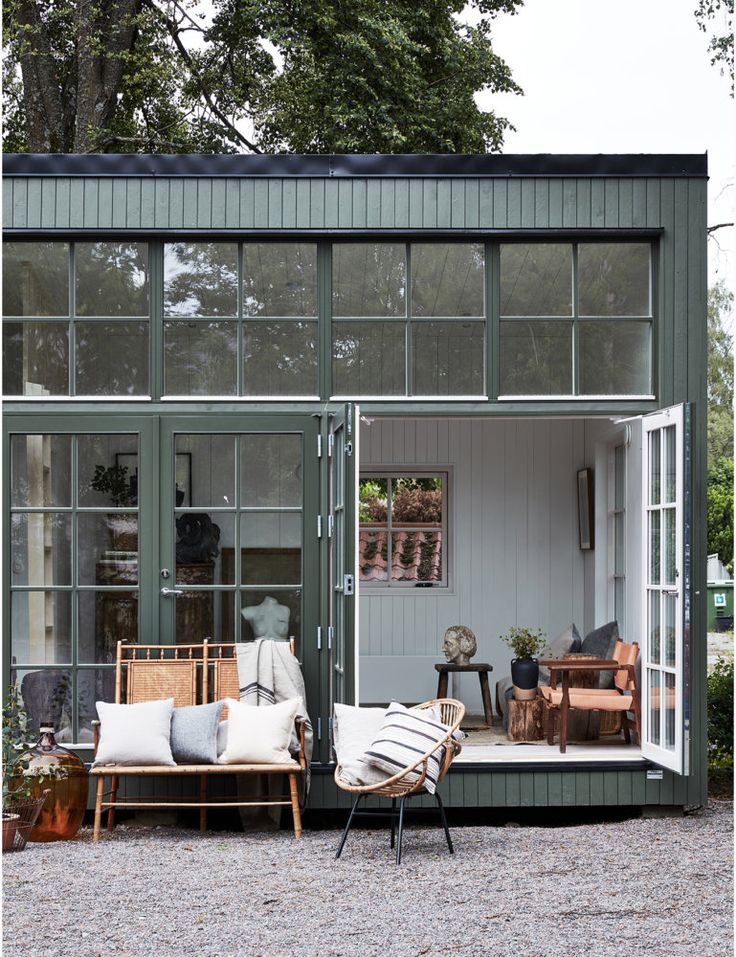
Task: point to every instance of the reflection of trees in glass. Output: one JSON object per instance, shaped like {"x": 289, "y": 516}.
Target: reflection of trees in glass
{"x": 280, "y": 358}
{"x": 35, "y": 279}
{"x": 368, "y": 358}
{"x": 201, "y": 279}
{"x": 613, "y": 279}
{"x": 536, "y": 358}
{"x": 35, "y": 354}
{"x": 536, "y": 279}
{"x": 614, "y": 358}
{"x": 369, "y": 279}
{"x": 280, "y": 279}
{"x": 112, "y": 358}
{"x": 112, "y": 279}
{"x": 447, "y": 279}
{"x": 200, "y": 358}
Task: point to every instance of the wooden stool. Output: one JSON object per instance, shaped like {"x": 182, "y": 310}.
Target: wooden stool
{"x": 481, "y": 670}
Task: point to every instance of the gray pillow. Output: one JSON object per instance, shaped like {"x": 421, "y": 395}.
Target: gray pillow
{"x": 566, "y": 643}
{"x": 601, "y": 642}
{"x": 194, "y": 733}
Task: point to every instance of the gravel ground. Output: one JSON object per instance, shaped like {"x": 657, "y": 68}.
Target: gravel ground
{"x": 654, "y": 887}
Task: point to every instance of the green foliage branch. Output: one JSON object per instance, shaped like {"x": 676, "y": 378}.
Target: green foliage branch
{"x": 524, "y": 642}
{"x": 720, "y": 715}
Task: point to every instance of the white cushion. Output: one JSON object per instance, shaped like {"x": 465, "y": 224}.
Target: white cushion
{"x": 404, "y": 737}
{"x": 259, "y": 735}
{"x": 354, "y": 729}
{"x": 135, "y": 733}
{"x": 221, "y": 737}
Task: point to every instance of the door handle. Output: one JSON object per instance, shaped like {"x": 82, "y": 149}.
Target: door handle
{"x": 171, "y": 592}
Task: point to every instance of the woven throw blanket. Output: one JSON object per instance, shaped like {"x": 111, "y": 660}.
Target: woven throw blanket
{"x": 269, "y": 673}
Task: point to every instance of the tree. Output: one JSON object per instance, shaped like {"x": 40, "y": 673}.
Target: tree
{"x": 251, "y": 76}
{"x": 720, "y": 511}
{"x": 721, "y": 42}
{"x": 720, "y": 374}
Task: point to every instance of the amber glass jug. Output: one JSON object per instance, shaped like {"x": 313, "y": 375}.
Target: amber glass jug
{"x": 62, "y": 812}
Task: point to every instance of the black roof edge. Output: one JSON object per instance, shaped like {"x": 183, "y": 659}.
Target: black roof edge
{"x": 352, "y": 165}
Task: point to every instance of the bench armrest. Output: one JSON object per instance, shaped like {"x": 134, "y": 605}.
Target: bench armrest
{"x": 96, "y": 735}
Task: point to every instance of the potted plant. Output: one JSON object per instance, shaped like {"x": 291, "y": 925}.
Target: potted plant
{"x": 525, "y": 643}
{"x": 113, "y": 480}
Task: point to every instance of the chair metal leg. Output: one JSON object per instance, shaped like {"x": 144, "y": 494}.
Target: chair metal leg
{"x": 347, "y": 826}
{"x": 393, "y": 822}
{"x": 444, "y": 821}
{"x": 402, "y": 801}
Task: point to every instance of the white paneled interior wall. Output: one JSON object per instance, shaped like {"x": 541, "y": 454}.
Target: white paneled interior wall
{"x": 513, "y": 552}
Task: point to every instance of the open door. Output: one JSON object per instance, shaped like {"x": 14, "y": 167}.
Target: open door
{"x": 342, "y": 531}
{"x": 666, "y": 513}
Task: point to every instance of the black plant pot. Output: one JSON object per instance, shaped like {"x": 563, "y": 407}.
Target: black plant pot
{"x": 525, "y": 677}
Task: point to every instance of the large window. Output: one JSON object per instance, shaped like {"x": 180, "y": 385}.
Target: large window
{"x": 76, "y": 318}
{"x": 403, "y": 529}
{"x": 240, "y": 319}
{"x": 408, "y": 319}
{"x": 576, "y": 319}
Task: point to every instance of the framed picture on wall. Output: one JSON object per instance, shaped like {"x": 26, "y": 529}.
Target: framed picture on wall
{"x": 129, "y": 460}
{"x": 585, "y": 508}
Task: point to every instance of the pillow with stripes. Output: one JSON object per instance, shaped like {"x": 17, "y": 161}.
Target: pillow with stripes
{"x": 404, "y": 737}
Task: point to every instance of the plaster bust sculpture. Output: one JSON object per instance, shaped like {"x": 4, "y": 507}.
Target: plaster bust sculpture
{"x": 459, "y": 644}
{"x": 269, "y": 619}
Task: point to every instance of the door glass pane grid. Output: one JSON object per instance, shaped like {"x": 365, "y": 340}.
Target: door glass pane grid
{"x": 238, "y": 535}
{"x": 74, "y": 569}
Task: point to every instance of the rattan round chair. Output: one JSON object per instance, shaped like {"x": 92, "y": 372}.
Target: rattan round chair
{"x": 405, "y": 783}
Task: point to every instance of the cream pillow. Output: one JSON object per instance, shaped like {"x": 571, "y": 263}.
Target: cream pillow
{"x": 354, "y": 730}
{"x": 135, "y": 733}
{"x": 259, "y": 735}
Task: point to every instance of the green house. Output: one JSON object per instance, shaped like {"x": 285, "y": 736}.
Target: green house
{"x": 391, "y": 393}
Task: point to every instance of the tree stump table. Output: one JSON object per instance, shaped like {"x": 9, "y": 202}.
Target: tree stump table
{"x": 481, "y": 670}
{"x": 527, "y": 720}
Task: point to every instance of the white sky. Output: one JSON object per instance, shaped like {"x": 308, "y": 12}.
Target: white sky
{"x": 630, "y": 76}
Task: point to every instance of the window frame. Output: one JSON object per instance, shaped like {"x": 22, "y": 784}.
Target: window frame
{"x": 368, "y": 471}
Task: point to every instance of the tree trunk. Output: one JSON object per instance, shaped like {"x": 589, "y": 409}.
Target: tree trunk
{"x": 41, "y": 93}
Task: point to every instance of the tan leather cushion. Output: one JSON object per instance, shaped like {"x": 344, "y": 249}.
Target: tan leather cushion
{"x": 599, "y": 699}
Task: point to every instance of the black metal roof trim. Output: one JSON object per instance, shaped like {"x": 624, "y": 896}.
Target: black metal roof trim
{"x": 358, "y": 165}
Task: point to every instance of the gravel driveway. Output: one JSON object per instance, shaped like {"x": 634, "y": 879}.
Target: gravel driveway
{"x": 638, "y": 887}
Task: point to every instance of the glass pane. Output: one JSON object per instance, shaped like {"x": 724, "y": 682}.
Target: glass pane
{"x": 195, "y": 614}
{"x": 270, "y": 470}
{"x": 108, "y": 470}
{"x": 280, "y": 279}
{"x": 280, "y": 358}
{"x": 373, "y": 556}
{"x": 613, "y": 279}
{"x": 670, "y": 633}
{"x": 536, "y": 358}
{"x": 670, "y": 464}
{"x": 655, "y": 644}
{"x": 271, "y": 548}
{"x": 447, "y": 279}
{"x": 369, "y": 279}
{"x": 105, "y": 617}
{"x": 40, "y": 471}
{"x": 670, "y": 557}
{"x": 373, "y": 501}
{"x": 655, "y": 521}
{"x": 416, "y": 501}
{"x": 47, "y": 698}
{"x": 212, "y": 469}
{"x": 669, "y": 712}
{"x": 655, "y": 683}
{"x": 35, "y": 358}
{"x": 204, "y": 546}
{"x": 416, "y": 556}
{"x": 265, "y": 614}
{"x": 41, "y": 549}
{"x": 536, "y": 279}
{"x": 615, "y": 358}
{"x": 368, "y": 358}
{"x": 41, "y": 627}
{"x": 200, "y": 358}
{"x": 447, "y": 358}
{"x": 35, "y": 279}
{"x": 93, "y": 685}
{"x": 107, "y": 548}
{"x": 112, "y": 358}
{"x": 112, "y": 279}
{"x": 201, "y": 279}
{"x": 226, "y": 603}
{"x": 655, "y": 468}
{"x": 620, "y": 476}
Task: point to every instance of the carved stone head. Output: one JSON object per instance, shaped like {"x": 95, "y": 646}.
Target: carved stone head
{"x": 459, "y": 645}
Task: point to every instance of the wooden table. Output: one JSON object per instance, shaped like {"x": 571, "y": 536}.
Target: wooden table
{"x": 481, "y": 670}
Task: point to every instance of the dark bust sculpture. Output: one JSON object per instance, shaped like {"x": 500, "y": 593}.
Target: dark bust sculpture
{"x": 197, "y": 539}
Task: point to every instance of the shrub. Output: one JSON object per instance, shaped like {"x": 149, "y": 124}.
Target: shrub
{"x": 720, "y": 715}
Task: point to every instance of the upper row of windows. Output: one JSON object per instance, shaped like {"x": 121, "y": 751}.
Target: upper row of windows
{"x": 404, "y": 318}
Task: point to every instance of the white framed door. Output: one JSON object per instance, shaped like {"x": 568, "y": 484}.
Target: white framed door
{"x": 666, "y": 516}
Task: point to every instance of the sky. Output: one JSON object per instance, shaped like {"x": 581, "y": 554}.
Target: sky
{"x": 631, "y": 76}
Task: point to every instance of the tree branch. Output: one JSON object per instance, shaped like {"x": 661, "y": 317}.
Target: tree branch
{"x": 712, "y": 229}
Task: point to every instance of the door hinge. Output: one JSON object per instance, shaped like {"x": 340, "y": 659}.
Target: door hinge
{"x": 319, "y": 637}
{"x": 319, "y": 729}
{"x": 319, "y": 526}
{"x": 330, "y": 525}
{"x": 348, "y": 585}
{"x": 330, "y": 636}
{"x": 348, "y": 449}
{"x": 319, "y": 446}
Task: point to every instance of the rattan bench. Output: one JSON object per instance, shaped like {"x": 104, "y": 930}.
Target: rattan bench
{"x": 190, "y": 674}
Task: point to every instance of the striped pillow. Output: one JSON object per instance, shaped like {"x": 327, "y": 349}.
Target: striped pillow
{"x": 404, "y": 737}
